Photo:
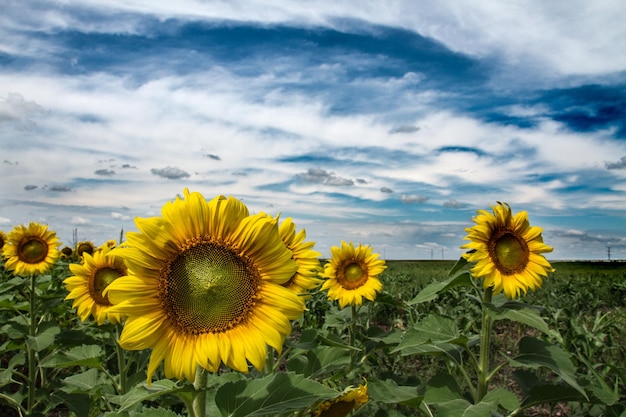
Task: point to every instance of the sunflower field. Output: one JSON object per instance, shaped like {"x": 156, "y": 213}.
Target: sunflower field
{"x": 208, "y": 310}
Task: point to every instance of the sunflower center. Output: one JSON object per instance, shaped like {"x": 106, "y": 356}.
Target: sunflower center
{"x": 33, "y": 250}
{"x": 100, "y": 280}
{"x": 509, "y": 252}
{"x": 352, "y": 274}
{"x": 208, "y": 288}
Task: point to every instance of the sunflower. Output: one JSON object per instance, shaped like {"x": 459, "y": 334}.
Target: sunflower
{"x": 306, "y": 277}
{"x": 352, "y": 273}
{"x": 89, "y": 281}
{"x": 31, "y": 250}
{"x": 3, "y": 239}
{"x": 351, "y": 399}
{"x": 66, "y": 253}
{"x": 84, "y": 247}
{"x": 205, "y": 287}
{"x": 507, "y": 251}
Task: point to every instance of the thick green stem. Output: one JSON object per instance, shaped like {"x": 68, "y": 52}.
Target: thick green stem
{"x": 198, "y": 404}
{"x": 32, "y": 333}
{"x": 485, "y": 340}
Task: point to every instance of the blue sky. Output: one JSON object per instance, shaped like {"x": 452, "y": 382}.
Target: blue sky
{"x": 386, "y": 123}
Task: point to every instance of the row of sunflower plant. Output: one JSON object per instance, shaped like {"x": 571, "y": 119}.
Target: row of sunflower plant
{"x": 210, "y": 310}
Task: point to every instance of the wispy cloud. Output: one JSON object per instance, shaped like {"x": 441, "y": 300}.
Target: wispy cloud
{"x": 351, "y": 120}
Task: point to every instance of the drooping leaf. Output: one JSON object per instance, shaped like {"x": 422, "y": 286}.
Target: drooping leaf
{"x": 389, "y": 392}
{"x": 273, "y": 394}
{"x": 535, "y": 353}
{"x": 522, "y": 314}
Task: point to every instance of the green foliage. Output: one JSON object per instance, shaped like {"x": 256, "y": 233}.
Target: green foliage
{"x": 418, "y": 348}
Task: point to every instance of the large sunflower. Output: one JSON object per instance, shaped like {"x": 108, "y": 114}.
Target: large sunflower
{"x": 31, "y": 250}
{"x": 306, "y": 277}
{"x": 351, "y": 399}
{"x": 205, "y": 287}
{"x": 352, "y": 273}
{"x": 507, "y": 251}
{"x": 89, "y": 281}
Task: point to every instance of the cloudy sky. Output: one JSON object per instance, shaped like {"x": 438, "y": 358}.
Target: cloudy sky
{"x": 384, "y": 122}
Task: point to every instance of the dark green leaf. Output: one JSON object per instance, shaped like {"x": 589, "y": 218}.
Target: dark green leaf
{"x": 534, "y": 353}
{"x": 274, "y": 394}
{"x": 80, "y": 404}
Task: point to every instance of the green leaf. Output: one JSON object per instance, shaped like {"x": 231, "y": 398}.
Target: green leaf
{"x": 319, "y": 361}
{"x": 442, "y": 388}
{"x": 519, "y": 313}
{"x": 44, "y": 338}
{"x": 273, "y": 394}
{"x": 551, "y": 393}
{"x": 88, "y": 355}
{"x": 432, "y": 291}
{"x": 535, "y": 353}
{"x": 502, "y": 397}
{"x": 79, "y": 404}
{"x": 144, "y": 392}
{"x": 389, "y": 392}
{"x": 84, "y": 381}
{"x": 463, "y": 408}
{"x": 436, "y": 335}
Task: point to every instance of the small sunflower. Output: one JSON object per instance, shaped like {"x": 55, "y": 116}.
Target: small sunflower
{"x": 352, "y": 274}
{"x": 205, "y": 287}
{"x": 31, "y": 250}
{"x": 306, "y": 277}
{"x": 507, "y": 251}
{"x": 84, "y": 247}
{"x": 351, "y": 399}
{"x": 66, "y": 253}
{"x": 89, "y": 281}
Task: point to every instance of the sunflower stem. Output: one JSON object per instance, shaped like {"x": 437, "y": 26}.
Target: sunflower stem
{"x": 198, "y": 404}
{"x": 353, "y": 337}
{"x": 122, "y": 366}
{"x": 32, "y": 333}
{"x": 485, "y": 340}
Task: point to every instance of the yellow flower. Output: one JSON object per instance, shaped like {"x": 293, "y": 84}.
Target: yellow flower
{"x": 31, "y": 250}
{"x": 351, "y": 399}
{"x": 205, "y": 287}
{"x": 89, "y": 281}
{"x": 306, "y": 277}
{"x": 84, "y": 247}
{"x": 352, "y": 273}
{"x": 507, "y": 251}
{"x": 3, "y": 239}
{"x": 66, "y": 252}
